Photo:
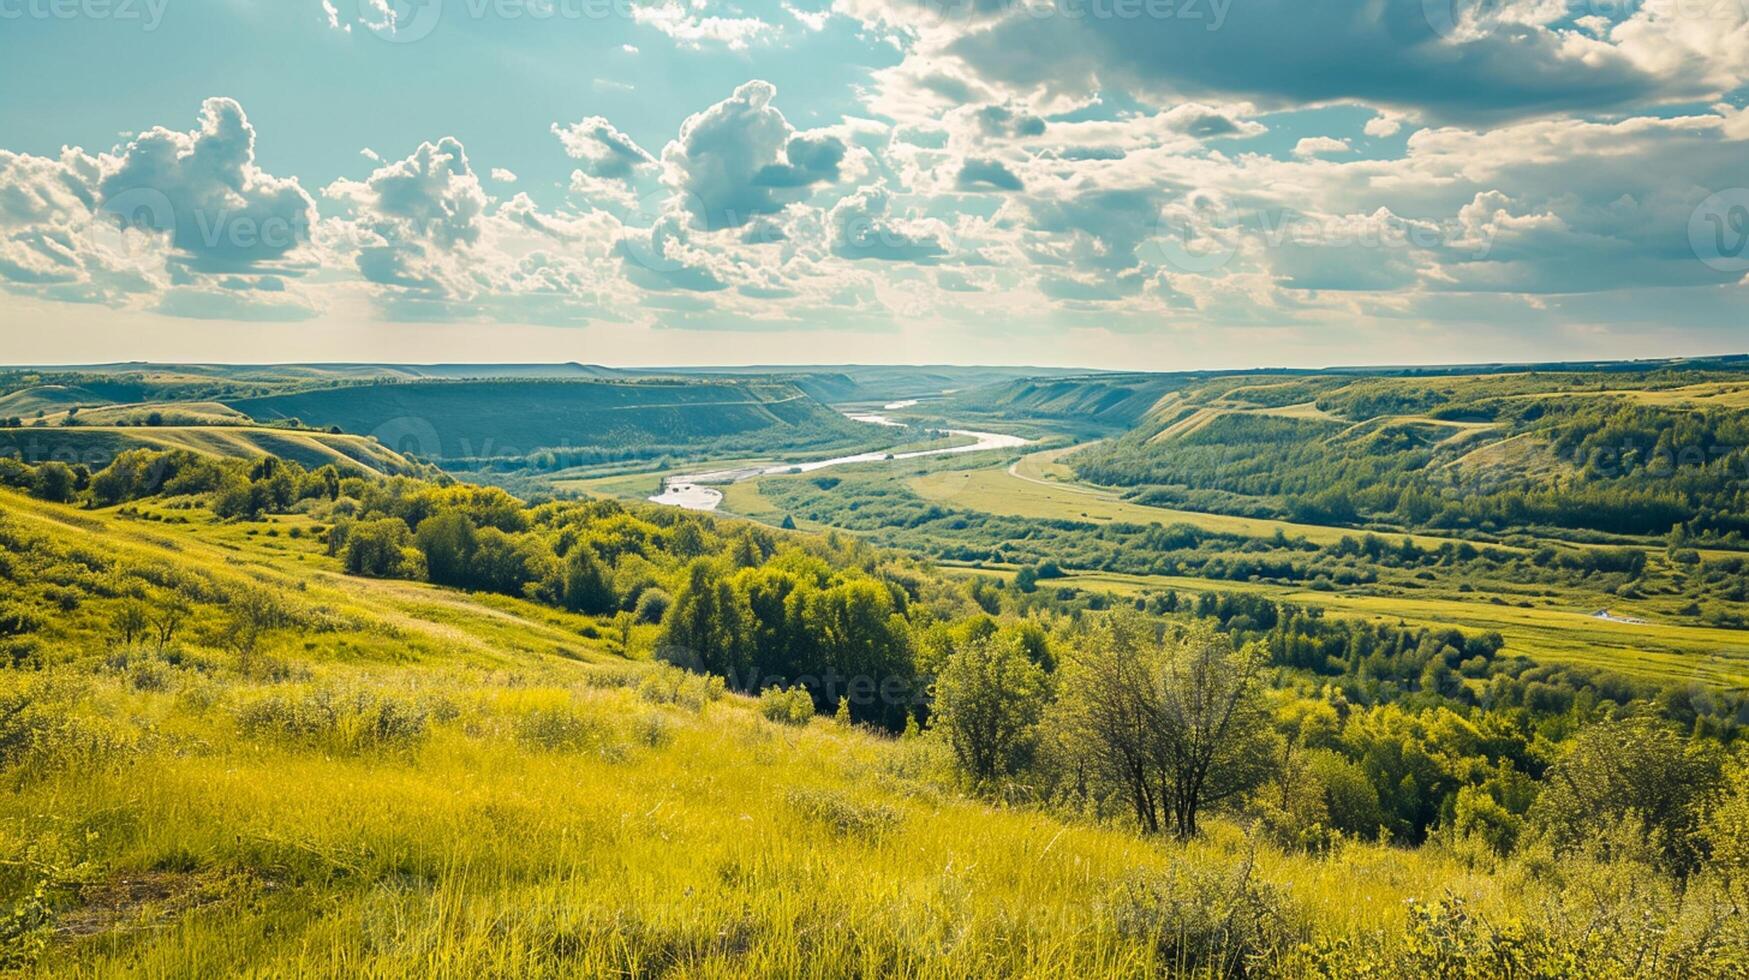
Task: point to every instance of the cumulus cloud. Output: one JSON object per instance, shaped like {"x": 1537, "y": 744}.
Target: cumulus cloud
{"x": 434, "y": 245}
{"x": 689, "y": 27}
{"x": 1320, "y": 146}
{"x": 224, "y": 213}
{"x": 1450, "y": 59}
{"x": 605, "y": 152}
{"x": 169, "y": 210}
{"x": 55, "y": 243}
{"x": 741, "y": 158}
{"x": 862, "y": 230}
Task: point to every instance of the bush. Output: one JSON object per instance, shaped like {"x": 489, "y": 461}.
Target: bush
{"x": 565, "y": 729}
{"x": 841, "y": 813}
{"x": 343, "y": 722}
{"x": 653, "y": 605}
{"x": 1202, "y": 919}
{"x": 55, "y": 482}
{"x": 792, "y": 707}
{"x": 671, "y": 685}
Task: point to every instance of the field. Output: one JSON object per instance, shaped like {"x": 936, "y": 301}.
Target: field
{"x": 545, "y": 804}
{"x": 1664, "y": 653}
{"x": 1033, "y": 487}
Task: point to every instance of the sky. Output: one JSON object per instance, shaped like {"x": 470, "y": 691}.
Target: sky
{"x": 1148, "y": 184}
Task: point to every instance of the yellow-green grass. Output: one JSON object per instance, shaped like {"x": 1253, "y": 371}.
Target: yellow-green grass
{"x": 1665, "y": 653}
{"x": 553, "y": 813}
{"x": 745, "y": 500}
{"x": 1040, "y": 485}
{"x": 172, "y": 413}
{"x": 1724, "y": 394}
{"x": 660, "y": 842}
{"x": 371, "y": 619}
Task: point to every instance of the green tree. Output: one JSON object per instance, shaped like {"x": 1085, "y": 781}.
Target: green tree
{"x": 1174, "y": 726}
{"x": 131, "y": 622}
{"x": 1640, "y": 769}
{"x": 588, "y": 588}
{"x": 54, "y": 481}
{"x": 708, "y": 627}
{"x": 448, "y": 543}
{"x": 374, "y": 547}
{"x": 653, "y": 605}
{"x": 988, "y": 700}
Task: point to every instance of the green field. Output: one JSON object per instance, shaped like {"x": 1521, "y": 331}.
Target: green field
{"x": 1658, "y": 652}
{"x": 1031, "y": 488}
{"x": 328, "y": 764}
{"x": 556, "y": 808}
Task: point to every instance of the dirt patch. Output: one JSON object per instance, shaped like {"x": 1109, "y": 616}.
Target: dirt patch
{"x": 141, "y": 900}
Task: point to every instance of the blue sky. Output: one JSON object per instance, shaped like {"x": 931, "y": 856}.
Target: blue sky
{"x": 1115, "y": 183}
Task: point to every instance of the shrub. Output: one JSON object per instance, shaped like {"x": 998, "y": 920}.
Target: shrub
{"x": 54, "y": 481}
{"x": 792, "y": 707}
{"x": 1202, "y": 919}
{"x": 343, "y": 722}
{"x": 653, "y": 605}
{"x": 671, "y": 685}
{"x": 841, "y": 813}
{"x": 565, "y": 729}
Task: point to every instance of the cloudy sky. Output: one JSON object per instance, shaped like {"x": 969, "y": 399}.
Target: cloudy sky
{"x": 1107, "y": 183}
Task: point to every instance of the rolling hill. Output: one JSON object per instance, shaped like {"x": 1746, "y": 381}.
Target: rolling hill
{"x": 1084, "y": 403}
{"x": 94, "y": 445}
{"x": 460, "y": 420}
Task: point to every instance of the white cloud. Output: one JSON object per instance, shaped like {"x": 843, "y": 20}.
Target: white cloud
{"x": 690, "y": 28}
{"x": 1320, "y": 146}
{"x": 604, "y": 150}
{"x": 741, "y": 158}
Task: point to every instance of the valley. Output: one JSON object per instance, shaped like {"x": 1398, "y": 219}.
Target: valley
{"x": 277, "y": 657}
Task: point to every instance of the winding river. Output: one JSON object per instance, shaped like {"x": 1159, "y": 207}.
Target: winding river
{"x": 694, "y": 491}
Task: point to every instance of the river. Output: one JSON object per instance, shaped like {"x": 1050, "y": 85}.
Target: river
{"x": 694, "y": 491}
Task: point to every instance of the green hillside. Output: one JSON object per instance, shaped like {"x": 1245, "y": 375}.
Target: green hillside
{"x": 95, "y": 446}
{"x": 292, "y": 725}
{"x": 1601, "y": 453}
{"x": 26, "y": 402}
{"x": 458, "y": 420}
{"x": 1085, "y": 403}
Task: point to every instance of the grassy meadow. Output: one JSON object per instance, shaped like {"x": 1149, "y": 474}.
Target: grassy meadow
{"x": 282, "y": 702}
{"x": 411, "y": 779}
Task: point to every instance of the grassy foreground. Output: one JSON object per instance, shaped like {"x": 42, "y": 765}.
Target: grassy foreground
{"x": 404, "y": 779}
